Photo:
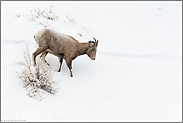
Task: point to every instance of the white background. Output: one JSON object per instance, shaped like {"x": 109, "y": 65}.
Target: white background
{"x": 137, "y": 74}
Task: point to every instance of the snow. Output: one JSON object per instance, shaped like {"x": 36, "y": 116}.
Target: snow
{"x": 137, "y": 74}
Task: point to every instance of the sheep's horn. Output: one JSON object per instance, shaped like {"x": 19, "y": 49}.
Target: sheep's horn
{"x": 96, "y": 41}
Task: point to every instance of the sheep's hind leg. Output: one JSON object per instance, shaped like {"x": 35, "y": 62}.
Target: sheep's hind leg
{"x": 37, "y": 52}
{"x": 69, "y": 63}
{"x": 43, "y": 55}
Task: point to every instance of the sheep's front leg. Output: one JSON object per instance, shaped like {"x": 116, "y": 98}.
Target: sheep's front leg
{"x": 37, "y": 52}
{"x": 60, "y": 61}
{"x": 69, "y": 65}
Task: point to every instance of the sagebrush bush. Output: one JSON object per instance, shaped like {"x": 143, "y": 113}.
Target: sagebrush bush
{"x": 71, "y": 19}
{"x": 80, "y": 34}
{"x": 45, "y": 13}
{"x": 37, "y": 80}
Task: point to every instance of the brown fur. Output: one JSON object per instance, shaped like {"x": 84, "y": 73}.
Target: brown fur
{"x": 63, "y": 46}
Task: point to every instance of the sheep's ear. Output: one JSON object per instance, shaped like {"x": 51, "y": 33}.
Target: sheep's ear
{"x": 91, "y": 43}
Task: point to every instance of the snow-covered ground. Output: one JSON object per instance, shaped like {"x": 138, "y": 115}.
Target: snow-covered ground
{"x": 137, "y": 75}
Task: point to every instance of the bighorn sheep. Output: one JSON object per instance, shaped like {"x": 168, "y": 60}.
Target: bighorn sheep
{"x": 63, "y": 46}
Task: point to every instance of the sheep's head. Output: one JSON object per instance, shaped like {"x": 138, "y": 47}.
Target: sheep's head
{"x": 91, "y": 52}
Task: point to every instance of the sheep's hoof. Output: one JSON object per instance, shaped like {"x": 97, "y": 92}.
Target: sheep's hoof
{"x": 71, "y": 75}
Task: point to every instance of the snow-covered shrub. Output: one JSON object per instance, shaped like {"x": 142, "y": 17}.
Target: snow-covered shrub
{"x": 80, "y": 34}
{"x": 45, "y": 13}
{"x": 45, "y": 24}
{"x": 37, "y": 80}
{"x": 70, "y": 19}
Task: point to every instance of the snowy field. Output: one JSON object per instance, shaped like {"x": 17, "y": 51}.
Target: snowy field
{"x": 137, "y": 75}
